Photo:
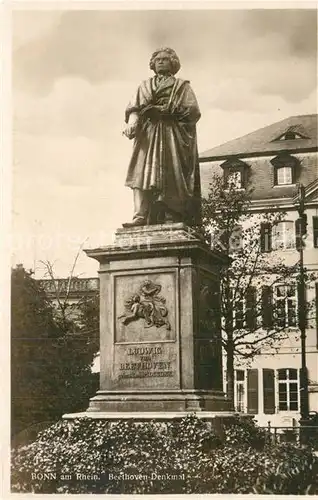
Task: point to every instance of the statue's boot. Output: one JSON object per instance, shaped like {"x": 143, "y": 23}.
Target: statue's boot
{"x": 136, "y": 222}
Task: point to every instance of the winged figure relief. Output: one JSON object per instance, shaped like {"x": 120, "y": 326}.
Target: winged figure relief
{"x": 147, "y": 304}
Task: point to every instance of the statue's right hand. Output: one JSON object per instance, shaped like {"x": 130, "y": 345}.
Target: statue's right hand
{"x": 130, "y": 131}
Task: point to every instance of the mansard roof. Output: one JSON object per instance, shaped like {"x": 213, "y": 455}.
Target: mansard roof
{"x": 293, "y": 134}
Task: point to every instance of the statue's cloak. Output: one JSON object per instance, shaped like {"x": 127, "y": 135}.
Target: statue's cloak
{"x": 165, "y": 156}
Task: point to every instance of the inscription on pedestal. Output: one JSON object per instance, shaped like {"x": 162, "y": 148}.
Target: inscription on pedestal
{"x": 146, "y": 366}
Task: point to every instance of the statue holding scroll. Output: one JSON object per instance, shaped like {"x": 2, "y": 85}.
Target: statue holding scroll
{"x": 164, "y": 168}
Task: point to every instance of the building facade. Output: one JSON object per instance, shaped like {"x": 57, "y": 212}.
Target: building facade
{"x": 274, "y": 161}
{"x": 69, "y": 292}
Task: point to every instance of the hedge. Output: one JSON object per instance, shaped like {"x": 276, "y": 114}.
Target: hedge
{"x": 98, "y": 456}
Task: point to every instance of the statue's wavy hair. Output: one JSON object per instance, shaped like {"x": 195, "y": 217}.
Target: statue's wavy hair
{"x": 174, "y": 59}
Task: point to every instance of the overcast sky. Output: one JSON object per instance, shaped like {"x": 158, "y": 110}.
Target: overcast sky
{"x": 73, "y": 74}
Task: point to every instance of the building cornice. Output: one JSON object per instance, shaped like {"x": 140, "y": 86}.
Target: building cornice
{"x": 258, "y": 154}
{"x": 278, "y": 203}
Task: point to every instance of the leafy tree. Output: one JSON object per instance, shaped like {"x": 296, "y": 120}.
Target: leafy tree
{"x": 51, "y": 368}
{"x": 250, "y": 318}
{"x": 89, "y": 317}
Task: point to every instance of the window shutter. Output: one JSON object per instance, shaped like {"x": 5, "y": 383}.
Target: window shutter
{"x": 316, "y": 285}
{"x": 266, "y": 237}
{"x": 295, "y": 164}
{"x": 245, "y": 176}
{"x": 228, "y": 305}
{"x": 298, "y": 233}
{"x": 251, "y": 313}
{"x": 226, "y": 173}
{"x": 267, "y": 307}
{"x": 252, "y": 391}
{"x": 315, "y": 230}
{"x": 224, "y": 240}
{"x": 269, "y": 390}
{"x": 294, "y": 173}
{"x": 275, "y": 175}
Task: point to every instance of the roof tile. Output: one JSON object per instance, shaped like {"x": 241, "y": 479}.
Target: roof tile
{"x": 263, "y": 140}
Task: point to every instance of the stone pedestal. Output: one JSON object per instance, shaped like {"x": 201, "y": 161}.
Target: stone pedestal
{"x": 160, "y": 335}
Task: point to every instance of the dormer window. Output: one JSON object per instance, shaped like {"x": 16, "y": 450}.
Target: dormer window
{"x": 235, "y": 173}
{"x": 234, "y": 179}
{"x": 285, "y": 170}
{"x": 291, "y": 134}
{"x": 284, "y": 176}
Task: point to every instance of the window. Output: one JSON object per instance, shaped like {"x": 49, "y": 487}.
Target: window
{"x": 286, "y": 169}
{"x": 283, "y": 236}
{"x": 234, "y": 179}
{"x": 246, "y": 391}
{"x": 236, "y": 240}
{"x": 244, "y": 309}
{"x": 285, "y": 299}
{"x": 235, "y": 173}
{"x": 239, "y": 397}
{"x": 288, "y": 389}
{"x": 290, "y": 135}
{"x": 266, "y": 237}
{"x": 284, "y": 176}
{"x": 239, "y": 313}
{"x": 226, "y": 241}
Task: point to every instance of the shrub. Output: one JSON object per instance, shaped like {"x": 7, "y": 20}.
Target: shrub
{"x": 243, "y": 431}
{"x": 156, "y": 457}
{"x": 277, "y": 470}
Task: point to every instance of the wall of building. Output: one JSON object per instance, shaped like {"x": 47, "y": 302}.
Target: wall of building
{"x": 286, "y": 353}
{"x": 261, "y": 175}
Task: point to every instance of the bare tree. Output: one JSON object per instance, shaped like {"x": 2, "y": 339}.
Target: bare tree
{"x": 61, "y": 289}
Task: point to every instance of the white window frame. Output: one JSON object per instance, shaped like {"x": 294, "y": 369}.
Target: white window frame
{"x": 288, "y": 381}
{"x": 240, "y": 385}
{"x": 285, "y": 239}
{"x": 284, "y": 175}
{"x": 236, "y": 240}
{"x": 235, "y": 177}
{"x": 287, "y": 299}
{"x": 242, "y": 301}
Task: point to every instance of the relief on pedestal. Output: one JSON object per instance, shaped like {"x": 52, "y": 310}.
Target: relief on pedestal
{"x": 147, "y": 304}
{"x": 145, "y": 307}
{"x": 145, "y": 354}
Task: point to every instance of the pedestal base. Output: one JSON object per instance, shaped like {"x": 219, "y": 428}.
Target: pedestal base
{"x": 156, "y": 401}
{"x": 160, "y": 339}
{"x": 216, "y": 420}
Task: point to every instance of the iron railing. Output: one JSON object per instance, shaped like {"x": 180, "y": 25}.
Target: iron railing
{"x": 307, "y": 434}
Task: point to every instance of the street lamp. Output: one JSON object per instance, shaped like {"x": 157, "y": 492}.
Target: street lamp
{"x": 302, "y": 305}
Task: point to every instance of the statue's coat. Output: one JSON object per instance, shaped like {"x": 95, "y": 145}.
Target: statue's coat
{"x": 165, "y": 157}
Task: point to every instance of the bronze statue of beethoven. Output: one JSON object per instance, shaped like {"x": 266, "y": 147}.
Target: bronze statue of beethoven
{"x": 164, "y": 167}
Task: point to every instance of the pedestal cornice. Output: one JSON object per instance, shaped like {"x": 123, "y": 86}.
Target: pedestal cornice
{"x": 148, "y": 241}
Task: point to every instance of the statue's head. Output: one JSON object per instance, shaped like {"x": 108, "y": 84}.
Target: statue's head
{"x": 165, "y": 60}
